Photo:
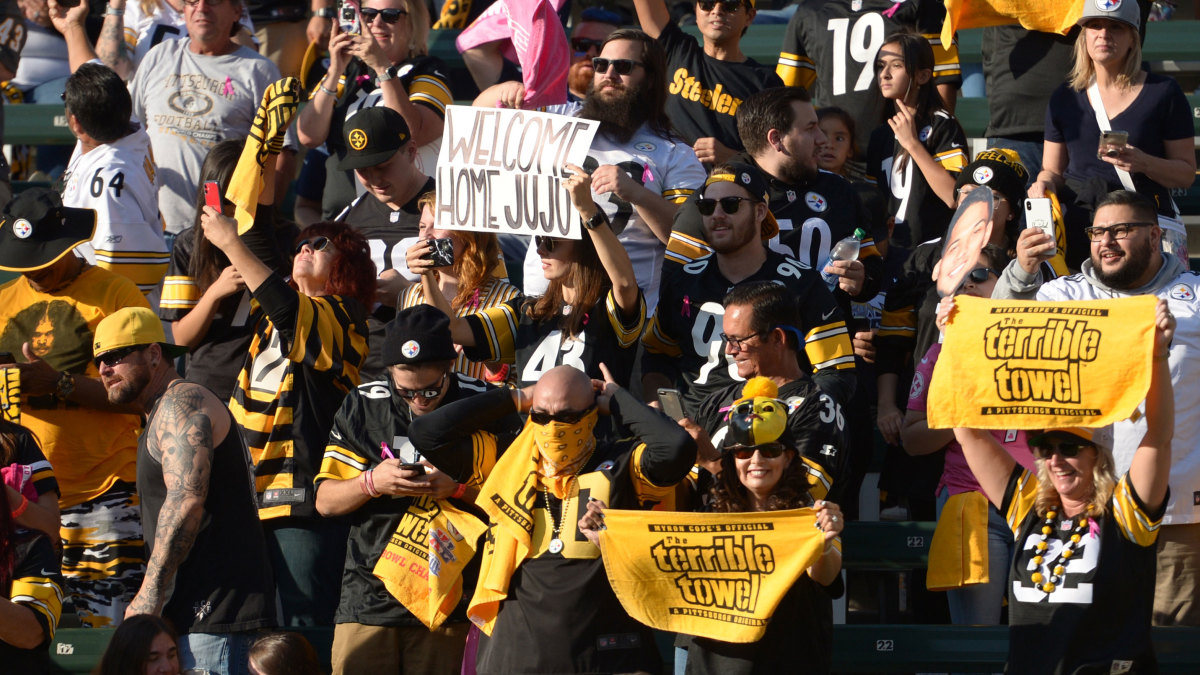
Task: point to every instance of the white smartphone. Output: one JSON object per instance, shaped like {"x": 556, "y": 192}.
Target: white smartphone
{"x": 1038, "y": 214}
{"x": 348, "y": 17}
{"x": 671, "y": 403}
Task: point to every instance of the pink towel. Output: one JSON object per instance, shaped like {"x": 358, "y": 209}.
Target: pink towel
{"x": 535, "y": 39}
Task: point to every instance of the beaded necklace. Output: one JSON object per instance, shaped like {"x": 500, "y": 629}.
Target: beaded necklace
{"x": 1059, "y": 567}
{"x": 556, "y": 542}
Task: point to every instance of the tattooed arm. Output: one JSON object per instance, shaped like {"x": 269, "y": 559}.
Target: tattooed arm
{"x": 181, "y": 438}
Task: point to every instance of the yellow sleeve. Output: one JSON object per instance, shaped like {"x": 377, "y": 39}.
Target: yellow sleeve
{"x": 796, "y": 70}
{"x": 1019, "y": 498}
{"x": 1135, "y": 524}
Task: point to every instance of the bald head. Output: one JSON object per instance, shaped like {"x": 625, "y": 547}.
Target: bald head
{"x": 563, "y": 388}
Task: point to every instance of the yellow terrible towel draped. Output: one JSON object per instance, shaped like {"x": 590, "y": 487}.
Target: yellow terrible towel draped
{"x": 262, "y": 145}
{"x": 1017, "y": 364}
{"x": 423, "y": 562}
{"x": 508, "y": 497}
{"x": 1048, "y": 17}
{"x": 958, "y": 555}
{"x": 715, "y": 575}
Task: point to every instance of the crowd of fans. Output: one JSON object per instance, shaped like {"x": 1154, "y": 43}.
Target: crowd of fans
{"x": 218, "y": 416}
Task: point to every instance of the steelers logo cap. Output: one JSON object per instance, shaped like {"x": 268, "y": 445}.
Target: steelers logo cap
{"x": 372, "y": 136}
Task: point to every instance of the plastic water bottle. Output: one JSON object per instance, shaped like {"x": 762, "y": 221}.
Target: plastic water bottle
{"x": 846, "y": 249}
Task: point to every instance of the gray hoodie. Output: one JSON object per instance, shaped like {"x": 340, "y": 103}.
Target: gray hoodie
{"x": 1017, "y": 284}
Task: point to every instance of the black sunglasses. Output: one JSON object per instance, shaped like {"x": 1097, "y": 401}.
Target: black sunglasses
{"x": 389, "y": 15}
{"x": 729, "y": 205}
{"x": 584, "y": 45}
{"x": 316, "y": 244}
{"x": 546, "y": 243}
{"x": 622, "y": 66}
{"x": 768, "y": 450}
{"x": 981, "y": 274}
{"x": 1043, "y": 447}
{"x": 563, "y": 416}
{"x": 114, "y": 356}
{"x": 730, "y": 6}
{"x": 426, "y": 393}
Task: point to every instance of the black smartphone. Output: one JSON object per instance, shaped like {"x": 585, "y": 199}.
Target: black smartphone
{"x": 671, "y": 403}
{"x": 441, "y": 252}
{"x": 419, "y": 468}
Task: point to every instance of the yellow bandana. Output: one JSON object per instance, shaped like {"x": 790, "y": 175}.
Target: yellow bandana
{"x": 1017, "y": 364}
{"x": 563, "y": 449}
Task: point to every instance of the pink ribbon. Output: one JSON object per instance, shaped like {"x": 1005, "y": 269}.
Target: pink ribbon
{"x": 687, "y": 307}
{"x": 227, "y": 90}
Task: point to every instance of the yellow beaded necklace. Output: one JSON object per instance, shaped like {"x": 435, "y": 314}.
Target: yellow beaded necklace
{"x": 1059, "y": 568}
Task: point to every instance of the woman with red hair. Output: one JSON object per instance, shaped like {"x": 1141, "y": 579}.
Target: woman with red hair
{"x": 310, "y": 341}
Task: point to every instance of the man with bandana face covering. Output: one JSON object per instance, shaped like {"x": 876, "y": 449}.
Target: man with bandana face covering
{"x": 543, "y": 597}
{"x": 1126, "y": 260}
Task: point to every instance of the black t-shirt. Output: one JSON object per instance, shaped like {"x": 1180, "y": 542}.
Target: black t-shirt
{"x": 703, "y": 93}
{"x": 225, "y": 583}
{"x": 1022, "y": 68}
{"x": 370, "y": 414}
{"x": 217, "y": 360}
{"x": 920, "y": 214}
{"x": 683, "y": 340}
{"x": 815, "y": 421}
{"x": 830, "y": 47}
{"x": 507, "y": 333}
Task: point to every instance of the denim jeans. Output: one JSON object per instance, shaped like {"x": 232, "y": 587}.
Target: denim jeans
{"x": 307, "y": 557}
{"x": 216, "y": 653}
{"x": 979, "y": 604}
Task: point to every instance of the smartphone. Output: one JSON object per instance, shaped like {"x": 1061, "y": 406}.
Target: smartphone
{"x": 441, "y": 252}
{"x": 348, "y": 17}
{"x": 6, "y": 358}
{"x": 1038, "y": 214}
{"x": 212, "y": 194}
{"x": 671, "y": 404}
{"x": 419, "y": 468}
{"x": 1111, "y": 138}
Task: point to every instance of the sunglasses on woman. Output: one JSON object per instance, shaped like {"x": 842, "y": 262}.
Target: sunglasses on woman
{"x": 546, "y": 244}
{"x": 1044, "y": 448}
{"x": 622, "y": 66}
{"x": 425, "y": 393}
{"x": 981, "y": 274}
{"x": 768, "y": 450}
{"x": 563, "y": 416}
{"x": 389, "y": 15}
{"x": 316, "y": 244}
{"x": 729, "y": 205}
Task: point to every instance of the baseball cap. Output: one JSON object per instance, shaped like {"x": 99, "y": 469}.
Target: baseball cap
{"x": 132, "y": 327}
{"x": 372, "y": 136}
{"x": 1000, "y": 169}
{"x": 1125, "y": 11}
{"x": 36, "y": 230}
{"x": 418, "y": 334}
{"x": 1100, "y": 437}
{"x": 752, "y": 179}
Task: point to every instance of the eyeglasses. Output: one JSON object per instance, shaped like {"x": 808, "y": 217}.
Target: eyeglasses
{"x": 389, "y": 15}
{"x": 585, "y": 45}
{"x": 316, "y": 244}
{"x": 730, "y": 6}
{"x": 563, "y": 416}
{"x": 729, "y": 205}
{"x": 981, "y": 274}
{"x": 115, "y": 356}
{"x": 738, "y": 343}
{"x": 1119, "y": 231}
{"x": 210, "y": 3}
{"x": 768, "y": 450}
{"x": 546, "y": 244}
{"x": 425, "y": 393}
{"x": 1043, "y": 447}
{"x": 622, "y": 66}
{"x": 970, "y": 187}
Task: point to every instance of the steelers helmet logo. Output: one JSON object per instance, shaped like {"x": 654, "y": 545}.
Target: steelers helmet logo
{"x": 410, "y": 349}
{"x": 983, "y": 174}
{"x": 358, "y": 139}
{"x": 746, "y": 178}
{"x": 816, "y": 202}
{"x": 923, "y": 135}
{"x": 1108, "y": 5}
{"x": 22, "y": 228}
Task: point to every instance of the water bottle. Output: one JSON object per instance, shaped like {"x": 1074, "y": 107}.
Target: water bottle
{"x": 846, "y": 249}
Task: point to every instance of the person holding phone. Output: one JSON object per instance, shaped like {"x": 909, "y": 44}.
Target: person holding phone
{"x": 473, "y": 279}
{"x": 373, "y": 474}
{"x": 1108, "y": 90}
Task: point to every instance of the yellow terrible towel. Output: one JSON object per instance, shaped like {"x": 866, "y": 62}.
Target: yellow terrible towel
{"x": 958, "y": 555}
{"x": 264, "y": 142}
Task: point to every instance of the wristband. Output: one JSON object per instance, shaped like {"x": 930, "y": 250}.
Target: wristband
{"x": 460, "y": 491}
{"x": 371, "y": 484}
{"x": 362, "y": 484}
{"x": 112, "y": 11}
{"x": 327, "y": 90}
{"x": 326, "y": 13}
{"x": 20, "y": 510}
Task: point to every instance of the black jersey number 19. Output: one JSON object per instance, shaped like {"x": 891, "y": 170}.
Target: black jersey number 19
{"x": 858, "y": 43}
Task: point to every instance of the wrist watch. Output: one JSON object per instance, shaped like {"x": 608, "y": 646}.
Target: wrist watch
{"x": 65, "y": 385}
{"x": 388, "y": 73}
{"x": 326, "y": 13}
{"x": 596, "y": 220}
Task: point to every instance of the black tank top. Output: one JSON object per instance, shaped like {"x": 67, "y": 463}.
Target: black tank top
{"x": 225, "y": 584}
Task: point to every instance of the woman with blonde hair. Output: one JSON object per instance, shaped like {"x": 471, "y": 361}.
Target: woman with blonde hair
{"x": 473, "y": 282}
{"x": 1108, "y": 91}
{"x": 1082, "y": 581}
